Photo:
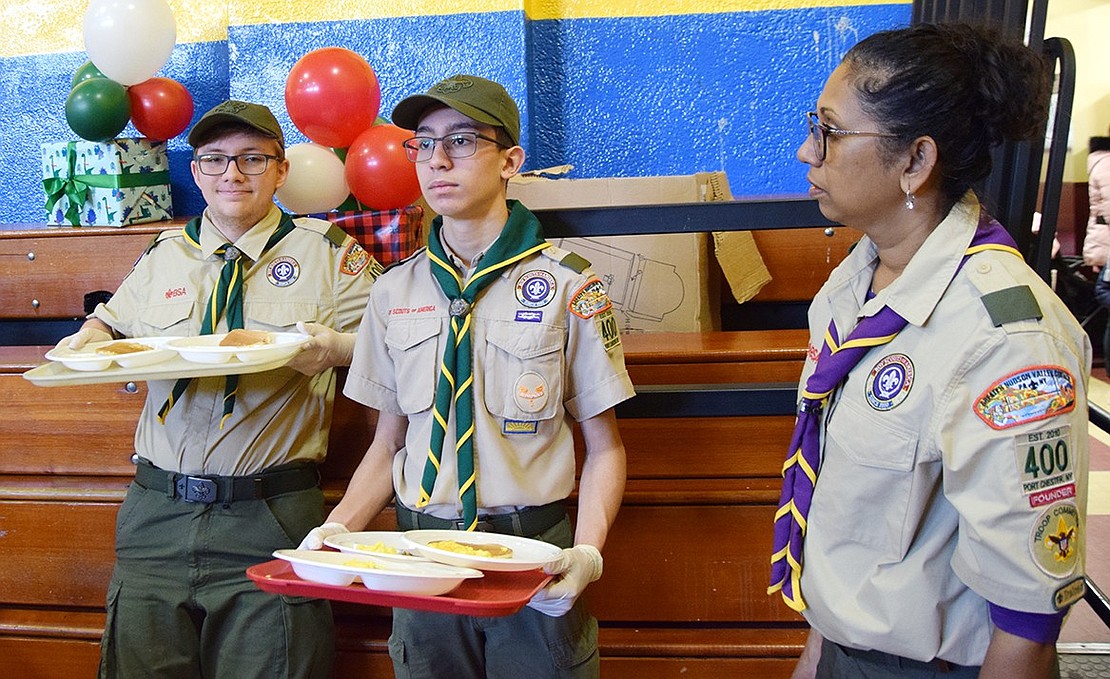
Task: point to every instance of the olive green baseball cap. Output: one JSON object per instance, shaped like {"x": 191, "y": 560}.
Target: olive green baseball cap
{"x": 474, "y": 97}
{"x": 241, "y": 112}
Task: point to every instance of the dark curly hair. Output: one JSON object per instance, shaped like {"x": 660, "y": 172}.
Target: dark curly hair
{"x": 965, "y": 86}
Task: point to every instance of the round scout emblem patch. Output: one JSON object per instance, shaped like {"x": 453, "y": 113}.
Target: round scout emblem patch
{"x": 535, "y": 288}
{"x": 283, "y": 271}
{"x": 530, "y": 392}
{"x": 889, "y": 381}
{"x": 1054, "y": 540}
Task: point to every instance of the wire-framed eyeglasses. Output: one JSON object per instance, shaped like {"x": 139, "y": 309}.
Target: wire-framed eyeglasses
{"x": 248, "y": 163}
{"x": 819, "y": 134}
{"x": 455, "y": 145}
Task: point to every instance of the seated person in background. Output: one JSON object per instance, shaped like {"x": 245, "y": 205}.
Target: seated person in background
{"x": 227, "y": 467}
{"x": 485, "y": 441}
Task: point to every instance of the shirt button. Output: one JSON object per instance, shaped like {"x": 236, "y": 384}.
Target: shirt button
{"x": 984, "y": 267}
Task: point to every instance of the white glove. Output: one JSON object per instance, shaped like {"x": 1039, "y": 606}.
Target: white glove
{"x": 326, "y": 349}
{"x": 316, "y": 536}
{"x": 575, "y": 567}
{"x": 84, "y": 336}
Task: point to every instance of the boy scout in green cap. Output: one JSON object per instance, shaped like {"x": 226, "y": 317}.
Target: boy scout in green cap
{"x": 227, "y": 466}
{"x": 527, "y": 340}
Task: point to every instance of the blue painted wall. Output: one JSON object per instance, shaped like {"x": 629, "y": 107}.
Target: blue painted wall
{"x": 613, "y": 96}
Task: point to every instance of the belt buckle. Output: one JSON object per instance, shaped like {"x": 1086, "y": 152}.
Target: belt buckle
{"x": 197, "y": 489}
{"x": 483, "y": 526}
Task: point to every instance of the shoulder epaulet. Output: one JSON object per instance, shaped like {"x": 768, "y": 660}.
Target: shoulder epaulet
{"x": 336, "y": 235}
{"x": 333, "y": 233}
{"x": 399, "y": 262}
{"x": 1012, "y": 304}
{"x": 161, "y": 236}
{"x": 575, "y": 262}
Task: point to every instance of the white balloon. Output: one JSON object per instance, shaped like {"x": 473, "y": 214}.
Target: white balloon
{"x": 129, "y": 40}
{"x": 316, "y": 181}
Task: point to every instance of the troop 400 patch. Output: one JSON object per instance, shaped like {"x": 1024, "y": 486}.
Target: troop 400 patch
{"x": 1034, "y": 393}
{"x": 889, "y": 382}
{"x": 283, "y": 271}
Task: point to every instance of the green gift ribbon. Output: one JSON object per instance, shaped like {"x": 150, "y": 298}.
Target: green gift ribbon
{"x": 76, "y": 187}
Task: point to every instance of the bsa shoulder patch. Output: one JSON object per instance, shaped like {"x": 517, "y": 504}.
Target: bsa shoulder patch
{"x": 1031, "y": 394}
{"x": 1054, "y": 540}
{"x": 589, "y": 300}
{"x": 354, "y": 260}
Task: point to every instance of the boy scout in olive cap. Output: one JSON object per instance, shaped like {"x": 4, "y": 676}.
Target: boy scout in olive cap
{"x": 227, "y": 466}
{"x": 527, "y": 340}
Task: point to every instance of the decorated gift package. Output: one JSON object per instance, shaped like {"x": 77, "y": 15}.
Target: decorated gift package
{"x": 111, "y": 183}
{"x": 389, "y": 235}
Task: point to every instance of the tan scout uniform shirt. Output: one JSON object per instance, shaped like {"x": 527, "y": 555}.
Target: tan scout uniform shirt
{"x": 534, "y": 364}
{"x": 923, "y": 512}
{"x": 280, "y": 415}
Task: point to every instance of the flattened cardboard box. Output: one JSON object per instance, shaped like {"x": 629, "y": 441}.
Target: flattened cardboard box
{"x": 658, "y": 282}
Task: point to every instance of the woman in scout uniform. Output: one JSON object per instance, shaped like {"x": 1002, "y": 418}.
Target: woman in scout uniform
{"x": 527, "y": 340}
{"x": 937, "y": 472}
{"x": 227, "y": 466}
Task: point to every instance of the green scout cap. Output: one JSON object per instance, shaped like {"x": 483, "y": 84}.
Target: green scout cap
{"x": 474, "y": 97}
{"x": 244, "y": 113}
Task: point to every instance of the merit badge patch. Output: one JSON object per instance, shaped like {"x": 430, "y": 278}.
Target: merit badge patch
{"x": 590, "y": 300}
{"x": 889, "y": 381}
{"x": 1054, "y": 540}
{"x": 355, "y": 260}
{"x": 535, "y": 288}
{"x": 1069, "y": 594}
{"x": 530, "y": 392}
{"x": 608, "y": 329}
{"x": 283, "y": 271}
{"x": 1035, "y": 393}
{"x": 515, "y": 427}
{"x": 1046, "y": 465}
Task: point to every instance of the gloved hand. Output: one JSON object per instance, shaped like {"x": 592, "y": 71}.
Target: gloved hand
{"x": 575, "y": 568}
{"x": 86, "y": 335}
{"x": 316, "y": 536}
{"x": 326, "y": 349}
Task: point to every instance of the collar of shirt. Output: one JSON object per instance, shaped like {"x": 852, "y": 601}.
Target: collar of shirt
{"x": 250, "y": 243}
{"x": 916, "y": 292}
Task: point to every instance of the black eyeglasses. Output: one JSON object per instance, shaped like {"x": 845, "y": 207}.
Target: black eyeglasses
{"x": 819, "y": 134}
{"x": 457, "y": 145}
{"x": 248, "y": 163}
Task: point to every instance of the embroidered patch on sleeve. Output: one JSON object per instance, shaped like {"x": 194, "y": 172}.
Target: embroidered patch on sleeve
{"x": 355, "y": 260}
{"x": 590, "y": 300}
{"x": 608, "y": 329}
{"x": 1046, "y": 465}
{"x": 1054, "y": 540}
{"x": 1069, "y": 594}
{"x": 1031, "y": 394}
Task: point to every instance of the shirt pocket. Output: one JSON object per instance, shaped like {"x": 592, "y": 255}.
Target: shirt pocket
{"x": 523, "y": 371}
{"x": 278, "y": 315}
{"x": 876, "y": 471}
{"x": 414, "y": 347}
{"x": 168, "y": 319}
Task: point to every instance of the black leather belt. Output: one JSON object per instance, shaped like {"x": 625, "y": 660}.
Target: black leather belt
{"x": 525, "y": 523}
{"x": 226, "y": 489}
{"x": 880, "y": 658}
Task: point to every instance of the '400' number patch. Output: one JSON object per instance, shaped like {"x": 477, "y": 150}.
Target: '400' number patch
{"x": 1046, "y": 465}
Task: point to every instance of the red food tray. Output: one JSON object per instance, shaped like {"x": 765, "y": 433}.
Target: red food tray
{"x": 494, "y": 594}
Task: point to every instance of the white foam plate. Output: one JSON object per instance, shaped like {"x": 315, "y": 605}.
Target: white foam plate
{"x": 88, "y": 359}
{"x": 527, "y": 553}
{"x": 207, "y": 349}
{"x": 364, "y": 543}
{"x": 340, "y": 568}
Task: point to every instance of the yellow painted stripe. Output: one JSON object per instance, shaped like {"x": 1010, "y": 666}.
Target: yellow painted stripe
{"x": 36, "y": 27}
{"x": 606, "y": 9}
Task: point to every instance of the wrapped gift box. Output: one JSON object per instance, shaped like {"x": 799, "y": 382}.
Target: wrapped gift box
{"x": 389, "y": 235}
{"x": 112, "y": 183}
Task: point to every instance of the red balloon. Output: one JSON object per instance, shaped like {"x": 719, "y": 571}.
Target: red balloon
{"x": 160, "y": 108}
{"x": 378, "y": 172}
{"x": 332, "y": 95}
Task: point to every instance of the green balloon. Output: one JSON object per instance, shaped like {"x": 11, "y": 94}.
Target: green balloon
{"x": 98, "y": 109}
{"x": 84, "y": 72}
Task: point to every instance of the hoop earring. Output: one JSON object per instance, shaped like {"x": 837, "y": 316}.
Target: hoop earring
{"x": 911, "y": 200}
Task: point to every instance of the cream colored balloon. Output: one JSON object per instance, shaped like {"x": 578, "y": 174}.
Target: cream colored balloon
{"x": 316, "y": 182}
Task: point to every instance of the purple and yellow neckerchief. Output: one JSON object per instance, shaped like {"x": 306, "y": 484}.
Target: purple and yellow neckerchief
{"x": 835, "y": 360}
